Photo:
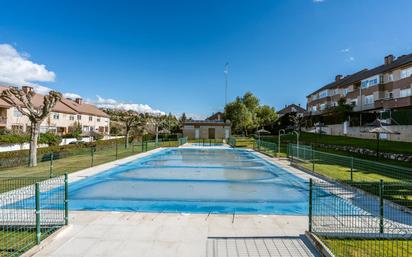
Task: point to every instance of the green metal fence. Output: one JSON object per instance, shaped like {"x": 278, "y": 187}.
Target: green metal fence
{"x": 345, "y": 168}
{"x": 182, "y": 140}
{"x": 269, "y": 148}
{"x": 352, "y": 222}
{"x": 207, "y": 142}
{"x": 31, "y": 211}
{"x": 73, "y": 159}
{"x": 231, "y": 141}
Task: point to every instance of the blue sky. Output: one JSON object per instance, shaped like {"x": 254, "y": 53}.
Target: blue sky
{"x": 171, "y": 54}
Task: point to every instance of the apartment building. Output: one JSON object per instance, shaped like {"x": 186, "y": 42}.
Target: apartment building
{"x": 63, "y": 116}
{"x": 388, "y": 86}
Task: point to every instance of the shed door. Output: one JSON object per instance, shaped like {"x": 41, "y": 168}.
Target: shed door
{"x": 197, "y": 133}
{"x": 211, "y": 133}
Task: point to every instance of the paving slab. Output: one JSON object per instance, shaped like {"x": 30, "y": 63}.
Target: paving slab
{"x": 93, "y": 233}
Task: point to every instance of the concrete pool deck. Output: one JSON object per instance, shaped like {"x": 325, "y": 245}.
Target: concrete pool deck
{"x": 98, "y": 233}
{"x": 177, "y": 235}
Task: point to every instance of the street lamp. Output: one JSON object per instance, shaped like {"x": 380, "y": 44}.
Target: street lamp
{"x": 279, "y": 134}
{"x": 297, "y": 141}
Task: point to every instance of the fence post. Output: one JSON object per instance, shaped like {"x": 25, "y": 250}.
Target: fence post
{"x": 146, "y": 145}
{"x": 142, "y": 146}
{"x": 381, "y": 207}
{"x": 310, "y": 203}
{"x": 37, "y": 197}
{"x": 66, "y": 199}
{"x": 51, "y": 165}
{"x": 313, "y": 161}
{"x": 117, "y": 150}
{"x": 351, "y": 169}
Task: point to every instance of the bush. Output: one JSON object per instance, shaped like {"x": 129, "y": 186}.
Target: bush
{"x": 14, "y": 139}
{"x": 50, "y": 139}
{"x": 96, "y": 136}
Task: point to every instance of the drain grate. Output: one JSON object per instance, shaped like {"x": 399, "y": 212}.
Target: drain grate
{"x": 260, "y": 247}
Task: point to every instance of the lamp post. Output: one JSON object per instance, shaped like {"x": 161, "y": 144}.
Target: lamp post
{"x": 297, "y": 141}
{"x": 279, "y": 134}
{"x": 226, "y": 72}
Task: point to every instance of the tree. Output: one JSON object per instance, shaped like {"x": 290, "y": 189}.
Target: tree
{"x": 22, "y": 100}
{"x": 239, "y": 115}
{"x": 342, "y": 110}
{"x": 182, "y": 119}
{"x": 75, "y": 130}
{"x": 246, "y": 114}
{"x": 130, "y": 120}
{"x": 266, "y": 115}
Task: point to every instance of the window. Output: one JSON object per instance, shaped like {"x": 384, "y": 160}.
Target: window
{"x": 314, "y": 108}
{"x": 390, "y": 77}
{"x": 71, "y": 117}
{"x": 322, "y": 107}
{"x": 406, "y": 73}
{"x": 314, "y": 97}
{"x": 406, "y": 92}
{"x": 346, "y": 91}
{"x": 86, "y": 128}
{"x": 90, "y": 118}
{"x": 336, "y": 91}
{"x": 79, "y": 117}
{"x": 388, "y": 95}
{"x": 56, "y": 116}
{"x": 98, "y": 119}
{"x": 16, "y": 112}
{"x": 323, "y": 93}
{"x": 369, "y": 99}
{"x": 370, "y": 82}
{"x": 293, "y": 109}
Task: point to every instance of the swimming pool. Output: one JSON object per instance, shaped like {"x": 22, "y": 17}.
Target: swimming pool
{"x": 194, "y": 180}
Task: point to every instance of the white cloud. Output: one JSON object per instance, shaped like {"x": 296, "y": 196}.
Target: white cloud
{"x": 71, "y": 95}
{"x": 115, "y": 104}
{"x": 16, "y": 69}
{"x": 348, "y": 56}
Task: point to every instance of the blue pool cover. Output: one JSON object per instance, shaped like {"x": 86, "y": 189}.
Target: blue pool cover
{"x": 196, "y": 180}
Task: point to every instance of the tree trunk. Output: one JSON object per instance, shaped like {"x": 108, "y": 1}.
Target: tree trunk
{"x": 157, "y": 134}
{"x": 126, "y": 143}
{"x": 35, "y": 127}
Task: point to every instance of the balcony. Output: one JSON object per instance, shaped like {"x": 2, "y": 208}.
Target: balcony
{"x": 390, "y": 103}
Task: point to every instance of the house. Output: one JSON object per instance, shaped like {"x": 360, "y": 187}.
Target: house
{"x": 213, "y": 127}
{"x": 386, "y": 87}
{"x": 64, "y": 115}
{"x": 291, "y": 108}
{"x": 90, "y": 117}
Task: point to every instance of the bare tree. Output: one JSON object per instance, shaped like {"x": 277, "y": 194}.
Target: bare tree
{"x": 22, "y": 100}
{"x": 130, "y": 120}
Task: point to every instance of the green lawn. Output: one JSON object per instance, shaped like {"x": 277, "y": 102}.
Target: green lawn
{"x": 317, "y": 139}
{"x": 369, "y": 248}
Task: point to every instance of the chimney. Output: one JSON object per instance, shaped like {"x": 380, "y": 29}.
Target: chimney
{"x": 338, "y": 77}
{"x": 27, "y": 89}
{"x": 389, "y": 59}
{"x": 78, "y": 100}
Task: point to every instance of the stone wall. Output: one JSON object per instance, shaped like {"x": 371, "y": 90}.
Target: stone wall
{"x": 358, "y": 132}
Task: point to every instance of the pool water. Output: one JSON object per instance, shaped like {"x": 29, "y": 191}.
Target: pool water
{"x": 194, "y": 180}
